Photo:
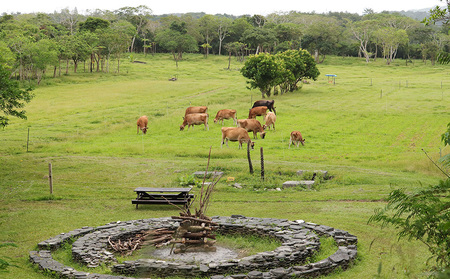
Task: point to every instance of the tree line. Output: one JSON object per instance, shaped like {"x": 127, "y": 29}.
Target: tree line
{"x": 30, "y": 44}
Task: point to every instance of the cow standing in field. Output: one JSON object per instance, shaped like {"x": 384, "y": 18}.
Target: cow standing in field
{"x": 199, "y": 109}
{"x": 257, "y": 111}
{"x": 142, "y": 124}
{"x": 195, "y": 119}
{"x": 296, "y": 138}
{"x": 226, "y": 114}
{"x": 265, "y": 103}
{"x": 270, "y": 120}
{"x": 252, "y": 125}
{"x": 236, "y": 134}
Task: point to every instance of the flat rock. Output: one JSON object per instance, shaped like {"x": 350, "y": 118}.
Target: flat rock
{"x": 302, "y": 183}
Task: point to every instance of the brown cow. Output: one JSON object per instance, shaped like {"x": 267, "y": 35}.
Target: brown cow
{"x": 257, "y": 111}
{"x": 236, "y": 134}
{"x": 297, "y": 138}
{"x": 142, "y": 124}
{"x": 200, "y": 109}
{"x": 195, "y": 119}
{"x": 270, "y": 120}
{"x": 226, "y": 114}
{"x": 252, "y": 125}
{"x": 267, "y": 103}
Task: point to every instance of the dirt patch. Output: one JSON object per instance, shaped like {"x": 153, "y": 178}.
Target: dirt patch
{"x": 221, "y": 253}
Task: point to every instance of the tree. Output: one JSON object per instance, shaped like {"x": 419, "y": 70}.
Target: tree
{"x": 445, "y": 137}
{"x": 264, "y": 71}
{"x": 223, "y": 30}
{"x": 321, "y": 37}
{"x": 6, "y": 56}
{"x": 93, "y": 23}
{"x": 259, "y": 38}
{"x": 423, "y": 215}
{"x": 439, "y": 14}
{"x": 430, "y": 50}
{"x": 363, "y": 32}
{"x": 138, "y": 16}
{"x": 176, "y": 42}
{"x": 42, "y": 54}
{"x": 208, "y": 26}
{"x": 12, "y": 98}
{"x": 390, "y": 39}
{"x": 299, "y": 65}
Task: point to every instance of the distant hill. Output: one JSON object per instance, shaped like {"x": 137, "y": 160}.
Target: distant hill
{"x": 417, "y": 14}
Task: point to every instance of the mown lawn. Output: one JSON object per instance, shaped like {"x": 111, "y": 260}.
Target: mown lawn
{"x": 367, "y": 130}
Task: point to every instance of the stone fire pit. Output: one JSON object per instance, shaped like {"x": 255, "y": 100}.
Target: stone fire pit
{"x": 299, "y": 241}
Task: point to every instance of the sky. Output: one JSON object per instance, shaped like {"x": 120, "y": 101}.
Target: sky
{"x": 232, "y": 7}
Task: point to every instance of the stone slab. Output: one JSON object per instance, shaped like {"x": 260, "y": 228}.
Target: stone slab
{"x": 302, "y": 183}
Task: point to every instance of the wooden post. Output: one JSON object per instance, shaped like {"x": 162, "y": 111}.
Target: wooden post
{"x": 250, "y": 166}
{"x": 28, "y": 138}
{"x": 262, "y": 164}
{"x": 50, "y": 178}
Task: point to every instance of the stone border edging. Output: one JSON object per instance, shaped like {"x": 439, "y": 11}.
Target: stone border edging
{"x": 299, "y": 241}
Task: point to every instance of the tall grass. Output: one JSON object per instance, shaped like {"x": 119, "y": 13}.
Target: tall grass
{"x": 368, "y": 130}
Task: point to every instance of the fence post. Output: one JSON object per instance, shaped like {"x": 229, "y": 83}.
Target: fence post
{"x": 50, "y": 177}
{"x": 28, "y": 137}
{"x": 262, "y": 164}
{"x": 250, "y": 166}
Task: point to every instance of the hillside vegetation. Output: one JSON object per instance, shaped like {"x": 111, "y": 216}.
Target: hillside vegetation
{"x": 367, "y": 130}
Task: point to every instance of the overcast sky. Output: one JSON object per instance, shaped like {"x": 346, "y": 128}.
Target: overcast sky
{"x": 233, "y": 7}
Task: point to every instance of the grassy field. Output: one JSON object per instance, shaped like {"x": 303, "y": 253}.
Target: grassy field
{"x": 367, "y": 130}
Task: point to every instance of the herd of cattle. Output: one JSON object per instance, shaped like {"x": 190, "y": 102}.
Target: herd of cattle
{"x": 198, "y": 115}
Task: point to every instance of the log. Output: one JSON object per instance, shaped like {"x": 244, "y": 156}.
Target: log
{"x": 195, "y": 219}
{"x": 194, "y": 241}
{"x": 199, "y": 229}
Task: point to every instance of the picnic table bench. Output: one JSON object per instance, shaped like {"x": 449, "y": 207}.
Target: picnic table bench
{"x": 162, "y": 196}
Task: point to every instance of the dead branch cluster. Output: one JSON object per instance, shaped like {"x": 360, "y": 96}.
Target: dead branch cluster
{"x": 158, "y": 238}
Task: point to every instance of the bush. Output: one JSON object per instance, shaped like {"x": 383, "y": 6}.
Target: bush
{"x": 423, "y": 215}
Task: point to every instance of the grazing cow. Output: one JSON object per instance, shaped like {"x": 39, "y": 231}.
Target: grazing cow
{"x": 252, "y": 125}
{"x": 142, "y": 124}
{"x": 270, "y": 120}
{"x": 226, "y": 114}
{"x": 200, "y": 109}
{"x": 257, "y": 111}
{"x": 265, "y": 103}
{"x": 195, "y": 119}
{"x": 236, "y": 134}
{"x": 296, "y": 137}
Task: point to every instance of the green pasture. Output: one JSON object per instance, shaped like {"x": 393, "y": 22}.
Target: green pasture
{"x": 368, "y": 130}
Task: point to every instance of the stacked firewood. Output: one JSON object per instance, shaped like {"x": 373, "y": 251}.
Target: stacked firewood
{"x": 195, "y": 234}
{"x": 158, "y": 238}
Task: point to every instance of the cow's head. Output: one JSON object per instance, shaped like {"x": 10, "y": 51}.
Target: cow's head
{"x": 263, "y": 134}
{"x": 181, "y": 127}
{"x": 302, "y": 141}
{"x": 144, "y": 130}
{"x": 215, "y": 120}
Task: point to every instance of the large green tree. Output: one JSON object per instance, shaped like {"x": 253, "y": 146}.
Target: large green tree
{"x": 299, "y": 65}
{"x": 12, "y": 98}
{"x": 264, "y": 71}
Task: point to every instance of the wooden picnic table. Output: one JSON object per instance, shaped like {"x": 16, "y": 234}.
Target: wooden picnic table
{"x": 162, "y": 196}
